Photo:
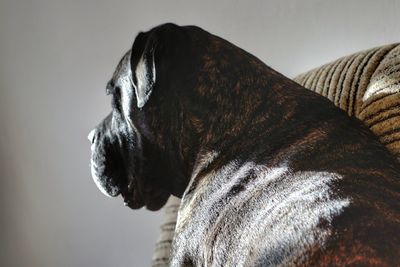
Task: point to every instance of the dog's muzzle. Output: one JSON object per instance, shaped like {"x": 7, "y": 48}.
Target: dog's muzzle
{"x": 104, "y": 161}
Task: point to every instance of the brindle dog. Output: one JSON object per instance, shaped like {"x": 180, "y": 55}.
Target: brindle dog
{"x": 269, "y": 172}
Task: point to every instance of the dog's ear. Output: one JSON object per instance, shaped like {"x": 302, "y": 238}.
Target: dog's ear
{"x": 151, "y": 52}
{"x": 143, "y": 66}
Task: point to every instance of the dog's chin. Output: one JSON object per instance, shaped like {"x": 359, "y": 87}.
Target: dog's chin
{"x": 152, "y": 206}
{"x": 157, "y": 203}
{"x": 151, "y": 198}
{"x": 153, "y": 202}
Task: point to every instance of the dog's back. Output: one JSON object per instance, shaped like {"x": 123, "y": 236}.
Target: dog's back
{"x": 331, "y": 202}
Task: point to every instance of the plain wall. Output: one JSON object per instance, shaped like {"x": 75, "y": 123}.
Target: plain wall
{"x": 55, "y": 59}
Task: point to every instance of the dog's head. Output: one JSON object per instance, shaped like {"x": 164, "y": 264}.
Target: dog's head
{"x": 133, "y": 150}
{"x": 172, "y": 97}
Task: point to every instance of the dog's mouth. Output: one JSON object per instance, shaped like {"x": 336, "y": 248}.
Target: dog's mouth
{"x": 131, "y": 195}
{"x": 154, "y": 203}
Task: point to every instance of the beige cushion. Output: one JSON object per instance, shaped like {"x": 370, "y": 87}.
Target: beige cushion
{"x": 366, "y": 85}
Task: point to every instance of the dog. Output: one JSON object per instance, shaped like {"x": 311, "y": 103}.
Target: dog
{"x": 270, "y": 173}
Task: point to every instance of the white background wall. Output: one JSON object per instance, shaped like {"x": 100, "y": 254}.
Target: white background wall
{"x": 55, "y": 59}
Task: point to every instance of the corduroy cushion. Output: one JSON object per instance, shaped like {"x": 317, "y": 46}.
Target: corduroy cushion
{"x": 366, "y": 85}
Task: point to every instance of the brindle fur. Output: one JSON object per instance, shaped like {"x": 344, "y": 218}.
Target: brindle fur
{"x": 213, "y": 104}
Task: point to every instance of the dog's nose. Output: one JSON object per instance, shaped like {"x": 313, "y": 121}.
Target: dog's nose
{"x": 91, "y": 136}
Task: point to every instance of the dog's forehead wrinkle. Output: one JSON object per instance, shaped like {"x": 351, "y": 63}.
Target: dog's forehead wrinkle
{"x": 122, "y": 73}
{"x": 122, "y": 64}
{"x": 123, "y": 79}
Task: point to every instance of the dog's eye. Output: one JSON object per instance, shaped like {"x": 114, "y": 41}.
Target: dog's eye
{"x": 116, "y": 98}
{"x": 117, "y": 91}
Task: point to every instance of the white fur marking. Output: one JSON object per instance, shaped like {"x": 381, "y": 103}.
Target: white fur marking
{"x": 276, "y": 214}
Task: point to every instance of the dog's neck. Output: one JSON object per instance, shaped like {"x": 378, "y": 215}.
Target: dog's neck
{"x": 217, "y": 131}
{"x": 215, "y": 114}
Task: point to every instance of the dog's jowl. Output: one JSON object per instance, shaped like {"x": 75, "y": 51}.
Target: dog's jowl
{"x": 269, "y": 173}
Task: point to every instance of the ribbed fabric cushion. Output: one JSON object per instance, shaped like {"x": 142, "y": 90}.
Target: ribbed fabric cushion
{"x": 163, "y": 246}
{"x": 366, "y": 85}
